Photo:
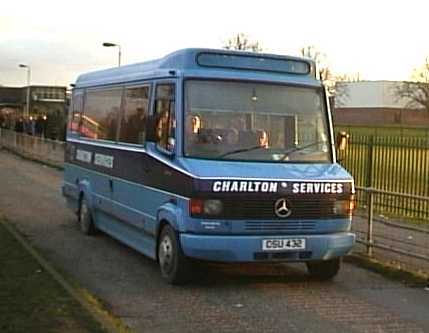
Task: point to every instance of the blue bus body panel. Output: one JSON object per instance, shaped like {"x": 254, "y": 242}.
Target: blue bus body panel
{"x": 260, "y": 170}
{"x": 183, "y": 63}
{"x": 129, "y": 213}
{"x": 245, "y": 76}
{"x": 249, "y": 248}
{"x": 136, "y": 223}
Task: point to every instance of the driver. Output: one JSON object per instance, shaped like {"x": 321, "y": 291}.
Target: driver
{"x": 192, "y": 129}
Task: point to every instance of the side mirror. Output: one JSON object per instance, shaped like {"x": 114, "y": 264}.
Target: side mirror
{"x": 151, "y": 134}
{"x": 342, "y": 140}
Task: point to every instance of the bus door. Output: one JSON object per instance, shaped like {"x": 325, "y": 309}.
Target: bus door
{"x": 129, "y": 196}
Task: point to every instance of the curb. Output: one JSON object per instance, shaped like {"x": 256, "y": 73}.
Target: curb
{"x": 388, "y": 270}
{"x": 98, "y": 315}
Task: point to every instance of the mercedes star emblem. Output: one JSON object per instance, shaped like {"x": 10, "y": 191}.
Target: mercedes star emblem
{"x": 281, "y": 209}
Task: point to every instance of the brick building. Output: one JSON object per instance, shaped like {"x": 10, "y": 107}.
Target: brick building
{"x": 376, "y": 103}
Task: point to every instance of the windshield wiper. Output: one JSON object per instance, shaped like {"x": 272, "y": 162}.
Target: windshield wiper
{"x": 295, "y": 149}
{"x": 242, "y": 150}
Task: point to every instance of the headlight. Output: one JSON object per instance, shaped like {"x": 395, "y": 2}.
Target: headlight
{"x": 212, "y": 207}
{"x": 344, "y": 207}
{"x": 205, "y": 207}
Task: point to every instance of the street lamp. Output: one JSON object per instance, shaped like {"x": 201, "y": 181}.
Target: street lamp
{"x": 119, "y": 50}
{"x": 28, "y": 87}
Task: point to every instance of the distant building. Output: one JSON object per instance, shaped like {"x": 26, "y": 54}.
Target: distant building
{"x": 49, "y": 101}
{"x": 375, "y": 103}
{"x": 43, "y": 99}
{"x": 10, "y": 100}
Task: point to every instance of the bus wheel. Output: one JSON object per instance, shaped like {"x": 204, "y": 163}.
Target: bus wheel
{"x": 324, "y": 270}
{"x": 172, "y": 262}
{"x": 86, "y": 222}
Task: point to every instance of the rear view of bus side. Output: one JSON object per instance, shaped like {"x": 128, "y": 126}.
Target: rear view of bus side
{"x": 212, "y": 155}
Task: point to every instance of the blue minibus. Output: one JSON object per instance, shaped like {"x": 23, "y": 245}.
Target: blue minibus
{"x": 213, "y": 155}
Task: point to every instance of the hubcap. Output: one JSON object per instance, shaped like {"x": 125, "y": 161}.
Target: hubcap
{"x": 166, "y": 253}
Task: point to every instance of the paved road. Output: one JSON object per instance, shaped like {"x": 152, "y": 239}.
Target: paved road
{"x": 252, "y": 298}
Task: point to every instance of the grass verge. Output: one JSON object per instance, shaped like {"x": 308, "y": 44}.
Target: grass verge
{"x": 389, "y": 270}
{"x": 30, "y": 299}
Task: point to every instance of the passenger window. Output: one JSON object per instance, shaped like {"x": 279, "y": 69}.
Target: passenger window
{"x": 76, "y": 111}
{"x": 165, "y": 116}
{"x": 100, "y": 117}
{"x": 133, "y": 123}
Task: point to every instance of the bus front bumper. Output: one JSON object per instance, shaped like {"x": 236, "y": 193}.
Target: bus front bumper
{"x": 249, "y": 248}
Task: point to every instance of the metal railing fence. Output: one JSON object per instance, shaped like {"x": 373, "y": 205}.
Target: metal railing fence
{"x": 392, "y": 164}
{"x": 392, "y": 239}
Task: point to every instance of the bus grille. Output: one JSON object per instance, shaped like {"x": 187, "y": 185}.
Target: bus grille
{"x": 302, "y": 209}
{"x": 278, "y": 226}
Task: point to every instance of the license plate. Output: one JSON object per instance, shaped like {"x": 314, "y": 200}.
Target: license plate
{"x": 283, "y": 244}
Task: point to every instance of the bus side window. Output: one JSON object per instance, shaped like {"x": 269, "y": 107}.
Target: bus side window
{"x": 165, "y": 116}
{"x": 75, "y": 114}
{"x": 100, "y": 117}
{"x": 133, "y": 123}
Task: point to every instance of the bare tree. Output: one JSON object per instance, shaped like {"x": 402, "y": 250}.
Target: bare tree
{"x": 322, "y": 67}
{"x": 349, "y": 77}
{"x": 335, "y": 83}
{"x": 242, "y": 42}
{"x": 325, "y": 74}
{"x": 416, "y": 91}
{"x": 320, "y": 58}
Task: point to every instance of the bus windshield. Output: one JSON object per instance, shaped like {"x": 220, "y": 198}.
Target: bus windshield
{"x": 227, "y": 120}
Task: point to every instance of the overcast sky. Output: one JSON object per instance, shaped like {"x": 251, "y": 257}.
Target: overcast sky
{"x": 382, "y": 40}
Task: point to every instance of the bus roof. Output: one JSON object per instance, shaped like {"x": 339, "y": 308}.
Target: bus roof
{"x": 209, "y": 63}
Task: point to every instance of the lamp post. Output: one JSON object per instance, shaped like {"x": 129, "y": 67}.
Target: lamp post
{"x": 27, "y": 109}
{"x": 119, "y": 50}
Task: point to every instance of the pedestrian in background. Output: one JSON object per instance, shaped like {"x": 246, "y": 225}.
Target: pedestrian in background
{"x": 19, "y": 126}
{"x": 39, "y": 126}
{"x": 32, "y": 126}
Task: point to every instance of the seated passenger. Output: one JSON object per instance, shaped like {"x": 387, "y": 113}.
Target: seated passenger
{"x": 253, "y": 138}
{"x": 263, "y": 138}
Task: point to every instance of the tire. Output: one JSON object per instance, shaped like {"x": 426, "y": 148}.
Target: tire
{"x": 324, "y": 270}
{"x": 86, "y": 222}
{"x": 175, "y": 267}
